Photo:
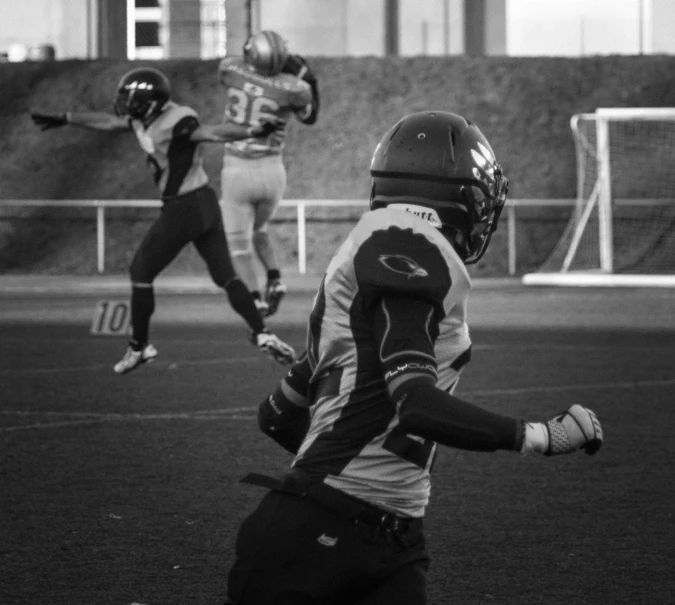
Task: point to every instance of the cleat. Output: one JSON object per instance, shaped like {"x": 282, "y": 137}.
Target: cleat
{"x": 133, "y": 358}
{"x": 276, "y": 348}
{"x": 274, "y": 293}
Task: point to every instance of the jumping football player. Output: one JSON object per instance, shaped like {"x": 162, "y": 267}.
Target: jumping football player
{"x": 364, "y": 409}
{"x": 266, "y": 82}
{"x": 170, "y": 134}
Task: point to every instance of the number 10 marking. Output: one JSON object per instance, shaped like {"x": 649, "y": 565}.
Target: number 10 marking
{"x": 111, "y": 318}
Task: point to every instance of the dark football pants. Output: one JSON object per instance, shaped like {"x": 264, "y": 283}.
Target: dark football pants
{"x": 194, "y": 217}
{"x": 292, "y": 551}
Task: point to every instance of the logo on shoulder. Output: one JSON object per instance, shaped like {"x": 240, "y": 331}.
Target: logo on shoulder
{"x": 398, "y": 263}
{"x": 253, "y": 89}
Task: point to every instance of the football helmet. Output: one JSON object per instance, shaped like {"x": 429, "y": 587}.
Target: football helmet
{"x": 265, "y": 52}
{"x": 141, "y": 93}
{"x": 441, "y": 167}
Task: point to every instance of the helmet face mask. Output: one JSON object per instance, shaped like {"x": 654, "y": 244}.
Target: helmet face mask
{"x": 440, "y": 166}
{"x": 265, "y": 52}
{"x": 142, "y": 93}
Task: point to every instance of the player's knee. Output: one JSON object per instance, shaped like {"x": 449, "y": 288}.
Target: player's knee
{"x": 139, "y": 273}
{"x": 239, "y": 244}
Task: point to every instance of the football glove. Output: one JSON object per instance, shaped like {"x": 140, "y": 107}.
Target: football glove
{"x": 273, "y": 346}
{"x": 577, "y": 428}
{"x": 297, "y": 66}
{"x": 46, "y": 121}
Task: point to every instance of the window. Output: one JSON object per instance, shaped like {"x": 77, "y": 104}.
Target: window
{"x": 147, "y": 33}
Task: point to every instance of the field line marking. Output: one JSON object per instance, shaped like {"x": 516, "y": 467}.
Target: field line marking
{"x": 47, "y": 425}
{"x": 157, "y": 363}
{"x": 572, "y": 387}
{"x": 239, "y": 413}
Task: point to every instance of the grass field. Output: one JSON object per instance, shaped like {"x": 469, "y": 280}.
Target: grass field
{"x": 116, "y": 490}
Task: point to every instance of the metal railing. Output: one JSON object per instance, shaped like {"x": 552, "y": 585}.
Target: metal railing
{"x": 300, "y": 205}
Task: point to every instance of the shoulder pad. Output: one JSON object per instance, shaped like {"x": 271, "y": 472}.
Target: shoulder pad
{"x": 399, "y": 257}
{"x": 178, "y": 112}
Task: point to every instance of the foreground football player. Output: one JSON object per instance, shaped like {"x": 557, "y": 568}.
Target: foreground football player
{"x": 170, "y": 135}
{"x": 265, "y": 82}
{"x": 365, "y": 407}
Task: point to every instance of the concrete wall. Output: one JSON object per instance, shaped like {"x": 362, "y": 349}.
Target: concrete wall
{"x": 661, "y": 22}
{"x": 327, "y": 27}
{"x": 182, "y": 18}
{"x": 61, "y": 23}
{"x": 312, "y": 27}
{"x": 112, "y": 29}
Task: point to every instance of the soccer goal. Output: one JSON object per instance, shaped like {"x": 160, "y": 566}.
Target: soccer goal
{"x": 622, "y": 228}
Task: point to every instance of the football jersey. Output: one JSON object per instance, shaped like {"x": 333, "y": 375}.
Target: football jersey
{"x": 252, "y": 96}
{"x": 353, "y": 442}
{"x": 175, "y": 160}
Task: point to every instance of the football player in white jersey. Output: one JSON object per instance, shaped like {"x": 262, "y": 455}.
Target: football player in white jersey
{"x": 171, "y": 135}
{"x": 265, "y": 82}
{"x": 364, "y": 409}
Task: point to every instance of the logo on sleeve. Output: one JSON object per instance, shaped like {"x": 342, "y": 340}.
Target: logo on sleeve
{"x": 416, "y": 367}
{"x": 398, "y": 263}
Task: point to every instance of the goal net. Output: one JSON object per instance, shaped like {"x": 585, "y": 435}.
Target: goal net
{"x": 622, "y": 227}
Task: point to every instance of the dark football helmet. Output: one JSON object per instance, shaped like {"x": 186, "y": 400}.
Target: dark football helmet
{"x": 266, "y": 52}
{"x": 440, "y": 161}
{"x": 141, "y": 93}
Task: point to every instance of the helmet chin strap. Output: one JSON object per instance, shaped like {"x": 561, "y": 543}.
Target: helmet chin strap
{"x": 457, "y": 240}
{"x": 152, "y": 112}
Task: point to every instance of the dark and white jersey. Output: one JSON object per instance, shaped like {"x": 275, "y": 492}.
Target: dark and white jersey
{"x": 353, "y": 442}
{"x": 175, "y": 160}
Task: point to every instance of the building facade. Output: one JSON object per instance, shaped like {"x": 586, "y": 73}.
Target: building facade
{"x": 156, "y": 29}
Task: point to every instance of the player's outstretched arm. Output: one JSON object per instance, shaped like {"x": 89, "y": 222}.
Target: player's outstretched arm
{"x": 94, "y": 120}
{"x": 409, "y": 368}
{"x": 284, "y": 414}
{"x": 229, "y": 131}
{"x": 433, "y": 414}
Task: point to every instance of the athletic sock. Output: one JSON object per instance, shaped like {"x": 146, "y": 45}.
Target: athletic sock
{"x": 142, "y": 308}
{"x": 273, "y": 274}
{"x": 242, "y": 302}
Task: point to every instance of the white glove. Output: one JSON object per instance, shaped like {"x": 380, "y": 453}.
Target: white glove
{"x": 577, "y": 428}
{"x": 275, "y": 347}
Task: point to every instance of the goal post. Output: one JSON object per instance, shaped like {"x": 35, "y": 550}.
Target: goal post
{"x": 621, "y": 231}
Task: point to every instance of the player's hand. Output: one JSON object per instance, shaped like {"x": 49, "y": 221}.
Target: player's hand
{"x": 46, "y": 120}
{"x": 577, "y": 428}
{"x": 265, "y": 126}
{"x": 276, "y": 348}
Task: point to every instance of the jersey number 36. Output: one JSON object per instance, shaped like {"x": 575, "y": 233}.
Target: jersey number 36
{"x": 243, "y": 108}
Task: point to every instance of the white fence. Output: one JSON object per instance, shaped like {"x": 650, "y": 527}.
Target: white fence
{"x": 300, "y": 205}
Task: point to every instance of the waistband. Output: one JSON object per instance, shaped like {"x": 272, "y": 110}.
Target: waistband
{"x": 187, "y": 195}
{"x": 335, "y": 501}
